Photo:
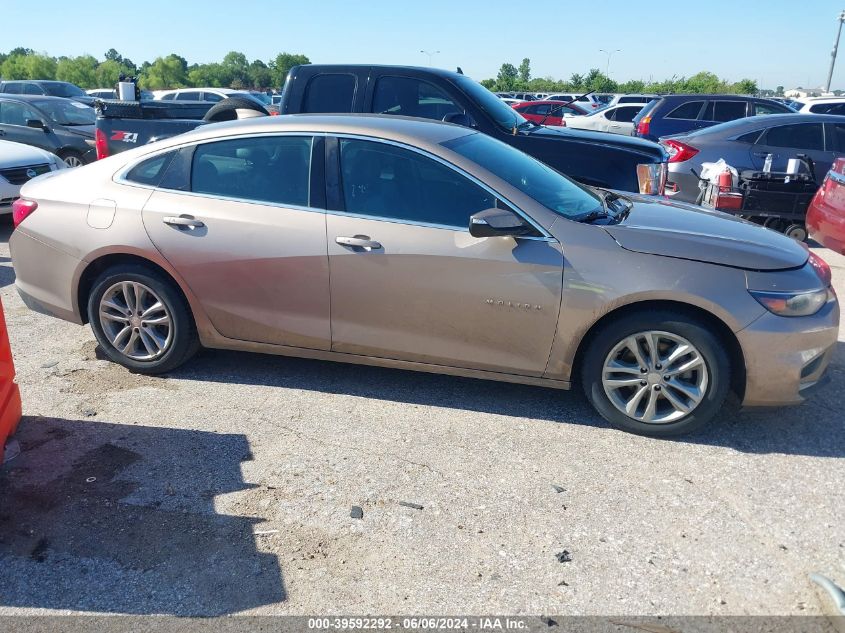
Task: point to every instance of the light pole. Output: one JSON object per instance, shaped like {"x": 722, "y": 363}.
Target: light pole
{"x": 840, "y": 19}
{"x": 430, "y": 55}
{"x": 609, "y": 55}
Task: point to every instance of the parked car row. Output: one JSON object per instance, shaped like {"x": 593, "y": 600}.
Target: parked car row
{"x": 19, "y": 164}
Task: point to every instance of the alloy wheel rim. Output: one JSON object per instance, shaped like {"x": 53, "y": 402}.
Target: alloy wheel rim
{"x": 136, "y": 321}
{"x": 73, "y": 161}
{"x": 655, "y": 377}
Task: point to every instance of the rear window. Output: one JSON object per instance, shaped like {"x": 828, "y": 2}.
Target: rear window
{"x": 688, "y": 110}
{"x": 634, "y": 99}
{"x": 150, "y": 171}
{"x": 626, "y": 114}
{"x": 722, "y": 111}
{"x": 330, "y": 93}
{"x": 12, "y": 88}
{"x": 828, "y": 108}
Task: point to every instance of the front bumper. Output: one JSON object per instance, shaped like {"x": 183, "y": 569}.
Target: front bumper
{"x": 786, "y": 358}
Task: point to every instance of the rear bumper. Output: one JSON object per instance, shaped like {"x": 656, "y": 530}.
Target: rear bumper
{"x": 786, "y": 358}
{"x": 44, "y": 277}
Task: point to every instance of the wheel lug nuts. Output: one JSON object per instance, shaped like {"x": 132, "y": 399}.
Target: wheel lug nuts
{"x": 643, "y": 383}
{"x": 658, "y": 366}
{"x": 657, "y": 387}
{"x": 643, "y": 370}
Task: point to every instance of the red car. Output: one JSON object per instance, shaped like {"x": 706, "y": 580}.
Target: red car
{"x": 826, "y": 215}
{"x": 538, "y": 111}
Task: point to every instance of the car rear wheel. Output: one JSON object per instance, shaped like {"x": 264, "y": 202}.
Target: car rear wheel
{"x": 71, "y": 158}
{"x": 141, "y": 320}
{"x": 657, "y": 374}
{"x": 797, "y": 232}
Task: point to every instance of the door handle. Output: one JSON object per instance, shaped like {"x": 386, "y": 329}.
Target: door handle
{"x": 2, "y": 132}
{"x": 359, "y": 241}
{"x": 183, "y": 221}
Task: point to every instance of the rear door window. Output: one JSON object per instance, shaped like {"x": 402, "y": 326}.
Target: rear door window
{"x": 272, "y": 169}
{"x": 32, "y": 89}
{"x": 722, "y": 111}
{"x": 213, "y": 97}
{"x": 411, "y": 97}
{"x": 688, "y": 110}
{"x": 330, "y": 93}
{"x": 12, "y": 88}
{"x": 806, "y": 136}
{"x": 189, "y": 95}
{"x": 15, "y": 113}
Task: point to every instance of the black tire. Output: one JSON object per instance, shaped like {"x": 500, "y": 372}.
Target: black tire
{"x": 227, "y": 110}
{"x": 695, "y": 331}
{"x": 73, "y": 156}
{"x": 184, "y": 342}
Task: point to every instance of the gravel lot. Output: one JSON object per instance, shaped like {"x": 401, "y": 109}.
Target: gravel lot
{"x": 227, "y": 487}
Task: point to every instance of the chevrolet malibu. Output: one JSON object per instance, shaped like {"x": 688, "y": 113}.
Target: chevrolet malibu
{"x": 421, "y": 245}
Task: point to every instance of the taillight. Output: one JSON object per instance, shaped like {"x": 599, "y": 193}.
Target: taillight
{"x": 644, "y": 125}
{"x": 652, "y": 178}
{"x": 679, "y": 152}
{"x": 101, "y": 144}
{"x": 21, "y": 209}
{"x": 821, "y": 267}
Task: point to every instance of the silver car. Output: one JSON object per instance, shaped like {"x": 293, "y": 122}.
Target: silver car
{"x": 421, "y": 245}
{"x": 745, "y": 143}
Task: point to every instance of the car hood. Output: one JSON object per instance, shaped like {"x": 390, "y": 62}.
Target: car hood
{"x": 685, "y": 231}
{"x": 601, "y": 138}
{"x": 17, "y": 154}
{"x": 85, "y": 131}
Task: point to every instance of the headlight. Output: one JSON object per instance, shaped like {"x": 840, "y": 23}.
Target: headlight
{"x": 652, "y": 178}
{"x": 792, "y": 304}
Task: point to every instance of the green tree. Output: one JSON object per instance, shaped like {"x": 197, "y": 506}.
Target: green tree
{"x": 525, "y": 71}
{"x": 165, "y": 72}
{"x": 211, "y": 75}
{"x": 81, "y": 71}
{"x": 507, "y": 78}
{"x": 113, "y": 56}
{"x": 14, "y": 67}
{"x": 576, "y": 81}
{"x": 632, "y": 86}
{"x": 779, "y": 91}
{"x": 109, "y": 71}
{"x": 282, "y": 63}
{"x": 490, "y": 84}
{"x": 237, "y": 67}
{"x": 260, "y": 75}
{"x": 40, "y": 66}
{"x": 745, "y": 87}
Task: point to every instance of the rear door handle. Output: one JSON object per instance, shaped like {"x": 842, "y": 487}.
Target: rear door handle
{"x": 360, "y": 241}
{"x": 183, "y": 221}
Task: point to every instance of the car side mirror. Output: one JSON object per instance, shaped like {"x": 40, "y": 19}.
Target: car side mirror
{"x": 38, "y": 124}
{"x": 459, "y": 118}
{"x": 498, "y": 223}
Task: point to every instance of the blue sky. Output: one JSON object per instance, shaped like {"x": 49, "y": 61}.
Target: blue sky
{"x": 776, "y": 42}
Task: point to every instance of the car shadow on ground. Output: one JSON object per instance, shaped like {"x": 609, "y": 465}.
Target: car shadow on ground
{"x": 813, "y": 428}
{"x": 124, "y": 516}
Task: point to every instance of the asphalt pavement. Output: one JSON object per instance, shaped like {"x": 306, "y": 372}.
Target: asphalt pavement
{"x": 228, "y": 488}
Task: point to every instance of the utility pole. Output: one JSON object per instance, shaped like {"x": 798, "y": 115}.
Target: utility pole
{"x": 609, "y": 55}
{"x": 430, "y": 55}
{"x": 840, "y": 19}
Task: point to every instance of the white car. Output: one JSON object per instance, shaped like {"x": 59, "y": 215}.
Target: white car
{"x": 511, "y": 101}
{"x": 102, "y": 93}
{"x": 641, "y": 99}
{"x": 584, "y": 101}
{"x": 200, "y": 94}
{"x": 615, "y": 119}
{"x": 821, "y": 105}
{"x": 19, "y": 164}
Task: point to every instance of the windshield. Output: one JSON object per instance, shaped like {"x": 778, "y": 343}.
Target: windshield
{"x": 63, "y": 90}
{"x": 548, "y": 187}
{"x": 262, "y": 97}
{"x": 502, "y": 114}
{"x": 67, "y": 112}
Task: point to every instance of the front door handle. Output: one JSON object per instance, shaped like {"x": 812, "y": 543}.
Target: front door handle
{"x": 359, "y": 241}
{"x": 183, "y": 221}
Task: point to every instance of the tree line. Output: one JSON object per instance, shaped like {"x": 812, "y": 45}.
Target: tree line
{"x": 512, "y": 78}
{"x": 171, "y": 71}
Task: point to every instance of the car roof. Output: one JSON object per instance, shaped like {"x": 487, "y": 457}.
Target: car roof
{"x": 761, "y": 122}
{"x": 419, "y": 132}
{"x": 6, "y": 95}
{"x": 819, "y": 99}
{"x": 34, "y": 81}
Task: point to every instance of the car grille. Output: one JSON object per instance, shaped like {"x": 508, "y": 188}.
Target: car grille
{"x": 18, "y": 175}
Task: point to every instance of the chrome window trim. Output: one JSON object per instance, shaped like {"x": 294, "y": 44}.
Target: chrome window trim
{"x": 545, "y": 234}
{"x": 120, "y": 178}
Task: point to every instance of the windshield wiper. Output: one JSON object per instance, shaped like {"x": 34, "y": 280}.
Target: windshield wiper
{"x": 610, "y": 201}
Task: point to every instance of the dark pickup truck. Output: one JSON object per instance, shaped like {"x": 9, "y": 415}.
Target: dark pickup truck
{"x": 594, "y": 158}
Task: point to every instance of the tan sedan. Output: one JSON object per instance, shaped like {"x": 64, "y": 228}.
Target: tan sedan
{"x": 420, "y": 245}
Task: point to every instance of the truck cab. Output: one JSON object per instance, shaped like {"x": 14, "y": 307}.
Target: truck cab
{"x": 593, "y": 158}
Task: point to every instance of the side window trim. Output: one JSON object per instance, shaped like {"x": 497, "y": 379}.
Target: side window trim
{"x": 333, "y": 163}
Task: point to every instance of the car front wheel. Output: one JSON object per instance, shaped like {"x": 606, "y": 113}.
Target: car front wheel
{"x": 657, "y": 374}
{"x": 141, "y": 320}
